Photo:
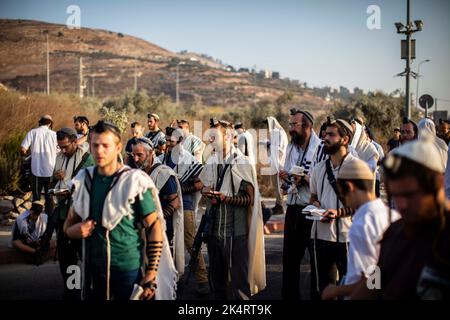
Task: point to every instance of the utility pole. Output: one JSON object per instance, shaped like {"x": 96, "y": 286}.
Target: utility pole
{"x": 93, "y": 85}
{"x": 135, "y": 78}
{"x": 48, "y": 62}
{"x": 177, "y": 83}
{"x": 408, "y": 30}
{"x": 82, "y": 84}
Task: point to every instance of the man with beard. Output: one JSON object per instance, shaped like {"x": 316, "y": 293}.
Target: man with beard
{"x": 330, "y": 235}
{"x": 408, "y": 131}
{"x": 81, "y": 124}
{"x": 155, "y": 134}
{"x": 297, "y": 229}
{"x": 166, "y": 182}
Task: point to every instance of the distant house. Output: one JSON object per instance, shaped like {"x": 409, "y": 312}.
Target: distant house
{"x": 267, "y": 74}
{"x": 230, "y": 68}
{"x": 244, "y": 70}
{"x": 275, "y": 75}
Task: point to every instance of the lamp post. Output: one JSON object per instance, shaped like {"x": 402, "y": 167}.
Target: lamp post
{"x": 408, "y": 30}
{"x": 417, "y": 88}
{"x": 48, "y": 62}
{"x": 177, "y": 85}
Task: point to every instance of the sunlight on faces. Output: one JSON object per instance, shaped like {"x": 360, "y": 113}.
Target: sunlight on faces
{"x": 105, "y": 148}
{"x": 137, "y": 131}
{"x": 333, "y": 140}
{"x": 152, "y": 124}
{"x": 141, "y": 155}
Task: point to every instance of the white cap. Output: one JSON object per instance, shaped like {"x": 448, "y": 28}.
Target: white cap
{"x": 423, "y": 151}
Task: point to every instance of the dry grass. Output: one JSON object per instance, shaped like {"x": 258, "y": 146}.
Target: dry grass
{"x": 20, "y": 113}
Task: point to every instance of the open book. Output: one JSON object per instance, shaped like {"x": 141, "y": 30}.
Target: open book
{"x": 313, "y": 213}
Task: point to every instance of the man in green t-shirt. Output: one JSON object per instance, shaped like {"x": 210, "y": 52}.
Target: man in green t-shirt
{"x": 119, "y": 200}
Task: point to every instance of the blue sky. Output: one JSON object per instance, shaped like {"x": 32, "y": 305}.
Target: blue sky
{"x": 322, "y": 42}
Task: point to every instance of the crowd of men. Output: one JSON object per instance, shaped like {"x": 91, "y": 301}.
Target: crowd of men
{"x": 127, "y": 212}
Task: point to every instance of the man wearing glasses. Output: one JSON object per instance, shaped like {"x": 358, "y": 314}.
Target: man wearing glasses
{"x": 297, "y": 229}
{"x": 69, "y": 161}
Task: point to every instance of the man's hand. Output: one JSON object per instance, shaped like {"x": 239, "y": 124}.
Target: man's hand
{"x": 328, "y": 215}
{"x": 330, "y": 292}
{"x": 83, "y": 229}
{"x": 60, "y": 174}
{"x": 284, "y": 175}
{"x": 148, "y": 292}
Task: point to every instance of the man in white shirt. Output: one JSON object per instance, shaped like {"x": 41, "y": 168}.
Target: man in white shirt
{"x": 43, "y": 144}
{"x": 370, "y": 221}
{"x": 191, "y": 143}
{"x": 297, "y": 229}
{"x": 330, "y": 235}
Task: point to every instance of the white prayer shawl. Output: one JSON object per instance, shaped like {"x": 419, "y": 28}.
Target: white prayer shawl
{"x": 308, "y": 159}
{"x": 278, "y": 144}
{"x": 186, "y": 166}
{"x": 69, "y": 165}
{"x": 118, "y": 206}
{"x": 159, "y": 176}
{"x": 241, "y": 169}
{"x": 41, "y": 226}
{"x": 245, "y": 142}
{"x": 427, "y": 128}
{"x": 365, "y": 149}
{"x": 194, "y": 145}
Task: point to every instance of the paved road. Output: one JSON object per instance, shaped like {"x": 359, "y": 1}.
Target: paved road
{"x": 20, "y": 281}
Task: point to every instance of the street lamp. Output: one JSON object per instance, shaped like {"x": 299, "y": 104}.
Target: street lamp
{"x": 417, "y": 88}
{"x": 408, "y": 30}
{"x": 48, "y": 62}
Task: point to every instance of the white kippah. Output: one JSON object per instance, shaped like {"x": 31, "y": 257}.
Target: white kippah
{"x": 422, "y": 151}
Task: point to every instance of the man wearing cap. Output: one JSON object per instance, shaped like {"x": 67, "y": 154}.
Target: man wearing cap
{"x": 114, "y": 207}
{"x": 235, "y": 237}
{"x": 166, "y": 181}
{"x": 155, "y": 133}
{"x": 394, "y": 142}
{"x": 69, "y": 161}
{"x": 330, "y": 235}
{"x": 370, "y": 221}
{"x": 42, "y": 141}
{"x": 245, "y": 142}
{"x": 415, "y": 250}
{"x": 297, "y": 229}
{"x": 187, "y": 169}
{"x": 193, "y": 144}
{"x": 28, "y": 231}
